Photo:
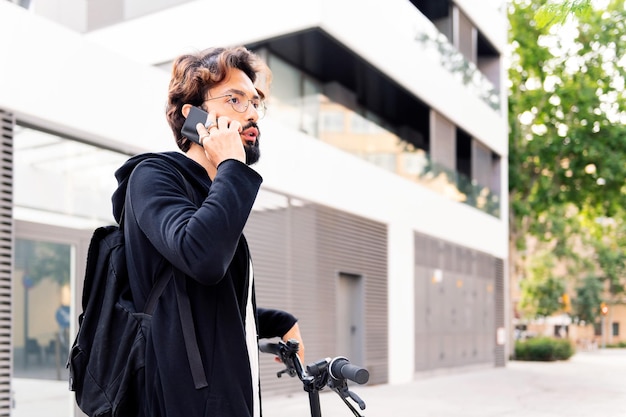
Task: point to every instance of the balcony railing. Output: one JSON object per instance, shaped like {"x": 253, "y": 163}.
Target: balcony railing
{"x": 439, "y": 48}
{"x": 345, "y": 129}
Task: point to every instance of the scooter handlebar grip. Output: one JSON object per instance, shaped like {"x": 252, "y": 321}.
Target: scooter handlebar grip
{"x": 341, "y": 368}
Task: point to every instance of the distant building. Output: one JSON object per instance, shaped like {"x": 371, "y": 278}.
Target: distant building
{"x": 383, "y": 217}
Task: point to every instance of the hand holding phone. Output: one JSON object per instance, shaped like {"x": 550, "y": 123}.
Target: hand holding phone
{"x": 195, "y": 116}
{"x": 226, "y": 142}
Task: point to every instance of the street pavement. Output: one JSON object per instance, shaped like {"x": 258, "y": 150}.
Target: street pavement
{"x": 589, "y": 384}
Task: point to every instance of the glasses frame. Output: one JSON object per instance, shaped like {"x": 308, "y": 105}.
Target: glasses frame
{"x": 261, "y": 110}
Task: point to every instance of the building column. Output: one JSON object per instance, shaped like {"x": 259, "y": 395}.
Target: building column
{"x": 401, "y": 304}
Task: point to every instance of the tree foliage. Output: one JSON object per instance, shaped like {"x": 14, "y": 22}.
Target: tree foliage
{"x": 567, "y": 142}
{"x": 542, "y": 292}
{"x": 557, "y": 13}
{"x": 567, "y": 123}
{"x": 609, "y": 242}
{"x": 587, "y": 302}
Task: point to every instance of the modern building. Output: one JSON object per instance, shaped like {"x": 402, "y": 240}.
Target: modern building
{"x": 383, "y": 218}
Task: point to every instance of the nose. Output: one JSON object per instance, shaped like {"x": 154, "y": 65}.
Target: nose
{"x": 251, "y": 113}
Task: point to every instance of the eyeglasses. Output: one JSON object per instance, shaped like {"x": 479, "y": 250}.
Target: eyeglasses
{"x": 240, "y": 103}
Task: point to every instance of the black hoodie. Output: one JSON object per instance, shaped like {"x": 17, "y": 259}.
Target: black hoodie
{"x": 201, "y": 235}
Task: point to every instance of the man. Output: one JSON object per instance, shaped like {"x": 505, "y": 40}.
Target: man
{"x": 188, "y": 211}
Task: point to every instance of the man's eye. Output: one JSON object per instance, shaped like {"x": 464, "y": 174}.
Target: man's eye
{"x": 256, "y": 103}
{"x": 234, "y": 100}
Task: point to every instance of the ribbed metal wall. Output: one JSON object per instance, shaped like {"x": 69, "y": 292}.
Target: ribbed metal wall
{"x": 7, "y": 121}
{"x": 298, "y": 250}
{"x": 456, "y": 305}
{"x": 355, "y": 245}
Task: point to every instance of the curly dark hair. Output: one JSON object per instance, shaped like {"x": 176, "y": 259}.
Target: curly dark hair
{"x": 194, "y": 74}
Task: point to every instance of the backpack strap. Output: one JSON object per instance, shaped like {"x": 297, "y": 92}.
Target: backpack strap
{"x": 189, "y": 331}
{"x": 155, "y": 293}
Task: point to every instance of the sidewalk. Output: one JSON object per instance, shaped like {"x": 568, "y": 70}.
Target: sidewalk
{"x": 589, "y": 384}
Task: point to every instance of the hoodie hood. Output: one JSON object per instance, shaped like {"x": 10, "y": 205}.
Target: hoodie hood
{"x": 177, "y": 159}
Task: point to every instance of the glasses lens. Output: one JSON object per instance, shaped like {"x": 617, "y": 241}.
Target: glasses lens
{"x": 240, "y": 104}
{"x": 260, "y": 108}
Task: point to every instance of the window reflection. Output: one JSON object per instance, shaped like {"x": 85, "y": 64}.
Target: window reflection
{"x": 41, "y": 309}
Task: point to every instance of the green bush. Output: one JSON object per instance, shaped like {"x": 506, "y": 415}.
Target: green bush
{"x": 543, "y": 349}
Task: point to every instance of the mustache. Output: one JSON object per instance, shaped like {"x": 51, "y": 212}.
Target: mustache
{"x": 249, "y": 125}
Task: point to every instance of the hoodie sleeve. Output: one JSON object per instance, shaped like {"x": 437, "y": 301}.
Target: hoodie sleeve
{"x": 274, "y": 323}
{"x": 200, "y": 241}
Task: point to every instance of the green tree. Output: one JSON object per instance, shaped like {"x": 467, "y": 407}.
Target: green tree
{"x": 542, "y": 292}
{"x": 608, "y": 238}
{"x": 586, "y": 305}
{"x": 567, "y": 147}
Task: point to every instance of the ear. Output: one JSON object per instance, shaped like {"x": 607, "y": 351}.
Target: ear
{"x": 185, "y": 109}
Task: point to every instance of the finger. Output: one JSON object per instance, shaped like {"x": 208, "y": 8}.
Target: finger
{"x": 222, "y": 122}
{"x": 201, "y": 129}
{"x": 202, "y": 138}
{"x": 235, "y": 125}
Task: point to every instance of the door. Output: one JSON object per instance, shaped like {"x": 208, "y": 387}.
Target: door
{"x": 350, "y": 323}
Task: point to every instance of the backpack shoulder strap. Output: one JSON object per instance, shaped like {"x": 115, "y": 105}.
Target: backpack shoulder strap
{"x": 189, "y": 331}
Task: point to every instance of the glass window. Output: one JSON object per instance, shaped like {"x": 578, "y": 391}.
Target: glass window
{"x": 62, "y": 182}
{"x": 41, "y": 309}
{"x": 311, "y": 106}
{"x": 286, "y": 96}
{"x": 333, "y": 121}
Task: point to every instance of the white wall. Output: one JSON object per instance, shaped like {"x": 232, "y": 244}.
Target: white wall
{"x": 52, "y": 77}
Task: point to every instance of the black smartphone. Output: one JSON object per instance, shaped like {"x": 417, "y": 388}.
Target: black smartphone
{"x": 195, "y": 116}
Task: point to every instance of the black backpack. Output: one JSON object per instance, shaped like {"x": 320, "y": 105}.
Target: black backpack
{"x": 107, "y": 358}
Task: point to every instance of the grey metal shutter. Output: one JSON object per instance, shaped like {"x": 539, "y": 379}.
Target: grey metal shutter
{"x": 459, "y": 304}
{"x": 6, "y": 259}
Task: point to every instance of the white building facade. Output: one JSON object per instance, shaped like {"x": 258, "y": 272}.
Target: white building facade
{"x": 383, "y": 218}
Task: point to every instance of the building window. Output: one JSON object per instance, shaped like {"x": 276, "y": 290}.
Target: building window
{"x": 597, "y": 329}
{"x": 73, "y": 179}
{"x": 615, "y": 329}
{"x": 333, "y": 121}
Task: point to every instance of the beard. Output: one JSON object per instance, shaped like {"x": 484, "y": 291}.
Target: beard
{"x": 253, "y": 152}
